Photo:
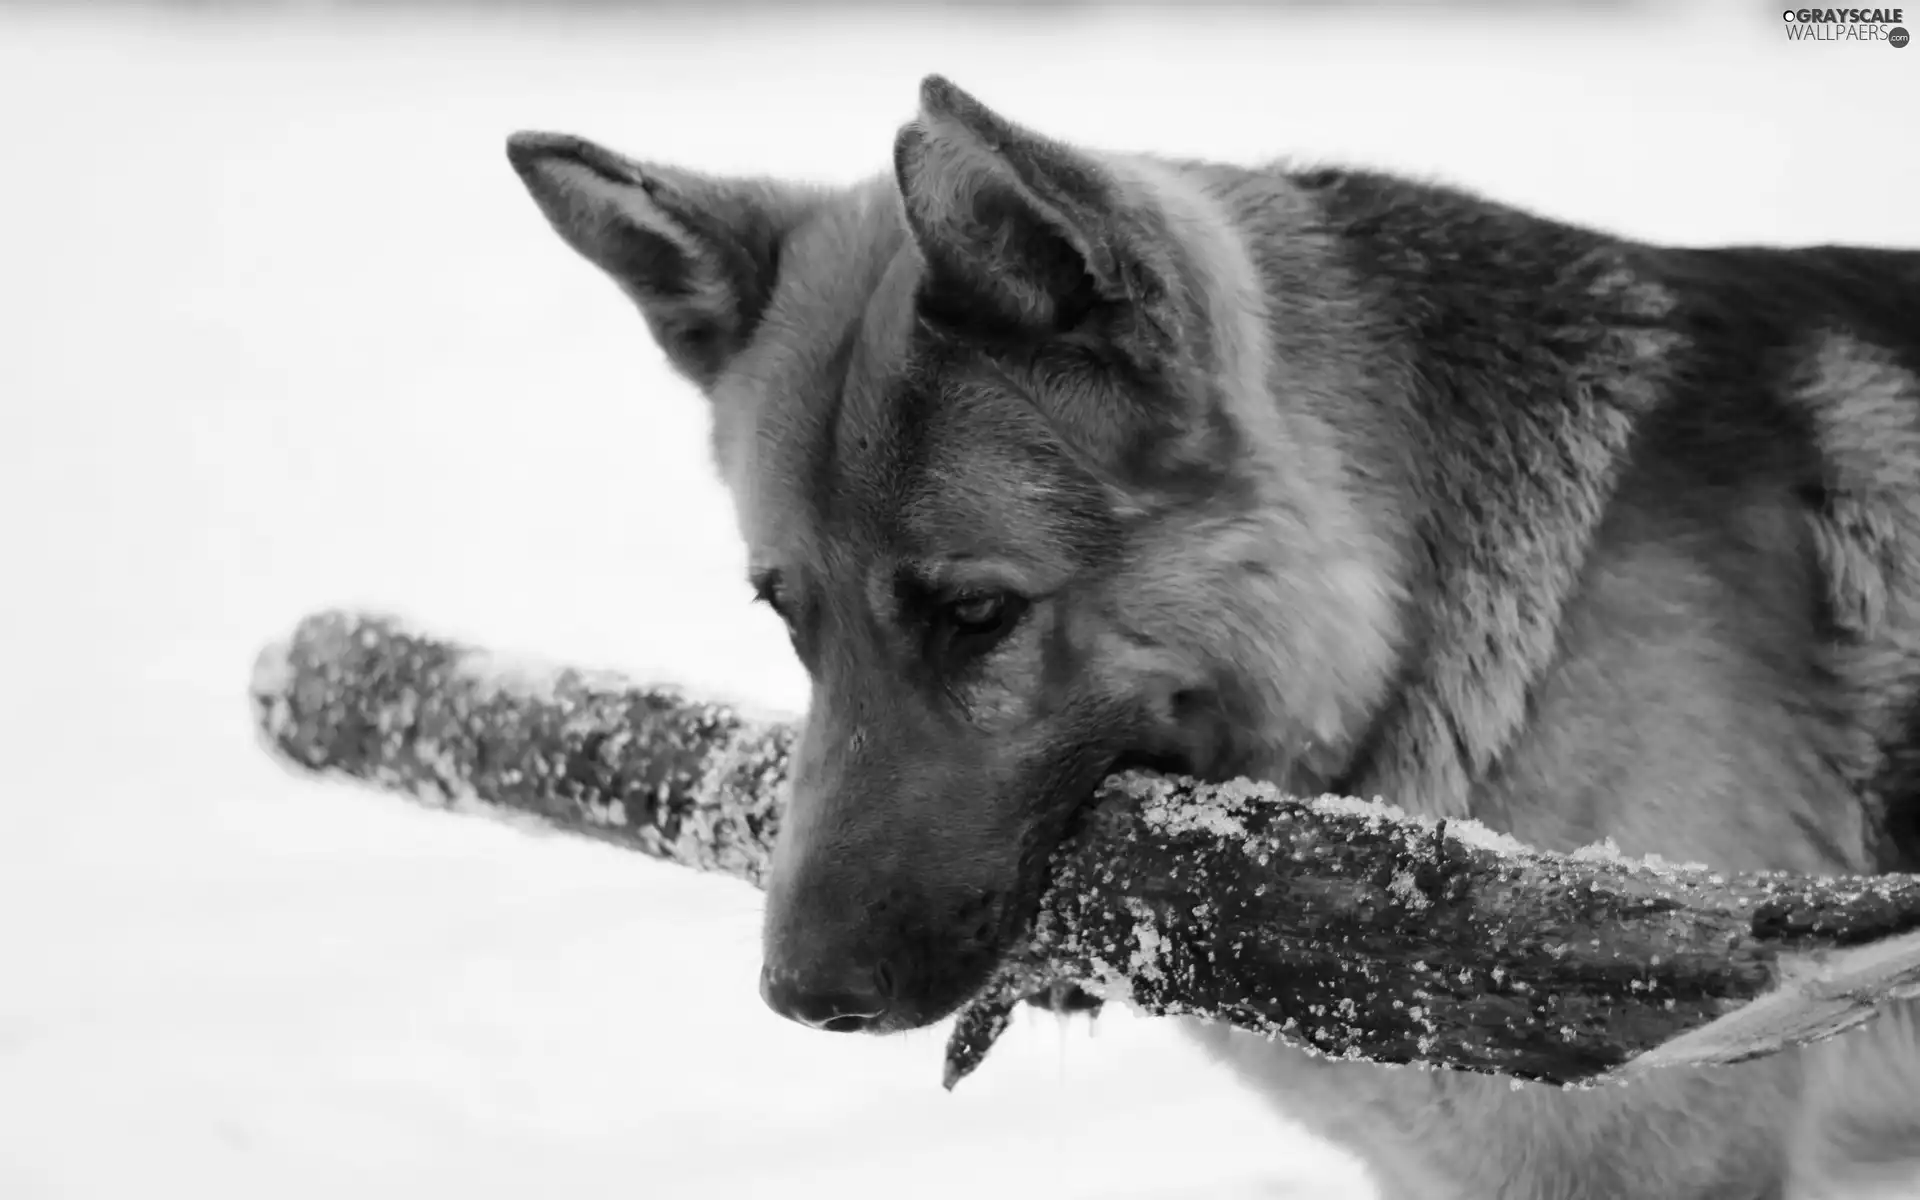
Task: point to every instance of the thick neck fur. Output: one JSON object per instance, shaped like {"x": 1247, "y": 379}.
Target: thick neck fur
{"x": 1309, "y": 629}
{"x": 1413, "y": 347}
{"x": 1419, "y": 342}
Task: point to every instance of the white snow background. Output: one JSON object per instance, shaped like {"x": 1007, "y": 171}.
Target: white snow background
{"x": 279, "y": 330}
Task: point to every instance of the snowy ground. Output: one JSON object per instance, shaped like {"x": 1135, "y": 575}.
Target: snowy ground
{"x": 279, "y": 330}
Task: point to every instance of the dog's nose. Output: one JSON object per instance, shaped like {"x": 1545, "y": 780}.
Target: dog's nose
{"x": 846, "y": 1004}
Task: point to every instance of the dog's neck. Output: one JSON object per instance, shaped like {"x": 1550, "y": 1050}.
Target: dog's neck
{"x": 1312, "y": 634}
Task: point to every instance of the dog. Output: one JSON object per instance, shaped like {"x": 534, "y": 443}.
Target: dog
{"x": 1056, "y": 461}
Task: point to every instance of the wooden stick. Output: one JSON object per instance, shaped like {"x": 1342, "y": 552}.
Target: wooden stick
{"x": 1341, "y": 925}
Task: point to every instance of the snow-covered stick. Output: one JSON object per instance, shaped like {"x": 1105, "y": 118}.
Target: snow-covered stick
{"x": 1340, "y": 925}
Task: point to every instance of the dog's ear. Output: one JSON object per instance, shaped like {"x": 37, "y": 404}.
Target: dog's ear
{"x": 1027, "y": 232}
{"x": 698, "y": 254}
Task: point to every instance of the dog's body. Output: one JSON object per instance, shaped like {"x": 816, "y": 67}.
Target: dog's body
{"x": 1056, "y": 460}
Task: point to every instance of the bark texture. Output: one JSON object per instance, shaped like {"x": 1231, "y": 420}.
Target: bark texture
{"x": 1341, "y": 925}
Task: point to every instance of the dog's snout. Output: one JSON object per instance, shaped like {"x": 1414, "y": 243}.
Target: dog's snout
{"x": 838, "y": 1003}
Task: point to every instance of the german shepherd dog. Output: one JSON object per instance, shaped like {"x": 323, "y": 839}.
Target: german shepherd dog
{"x": 1056, "y": 461}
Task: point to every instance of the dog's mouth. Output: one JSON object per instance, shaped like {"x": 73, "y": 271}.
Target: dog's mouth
{"x": 998, "y": 926}
{"x": 984, "y": 1012}
{"x": 1164, "y": 763}
{"x": 1037, "y": 874}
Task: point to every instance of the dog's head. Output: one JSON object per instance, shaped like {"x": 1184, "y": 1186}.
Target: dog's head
{"x": 986, "y": 427}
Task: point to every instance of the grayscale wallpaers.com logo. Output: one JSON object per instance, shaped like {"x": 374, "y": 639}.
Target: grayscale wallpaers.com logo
{"x": 1846, "y": 25}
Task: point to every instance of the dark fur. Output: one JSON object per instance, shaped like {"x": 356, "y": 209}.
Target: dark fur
{"x": 1054, "y": 460}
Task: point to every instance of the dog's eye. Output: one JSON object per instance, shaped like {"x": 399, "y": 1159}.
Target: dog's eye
{"x": 974, "y": 624}
{"x": 766, "y": 590}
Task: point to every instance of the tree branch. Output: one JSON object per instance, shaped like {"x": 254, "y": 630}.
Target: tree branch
{"x": 1344, "y": 926}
